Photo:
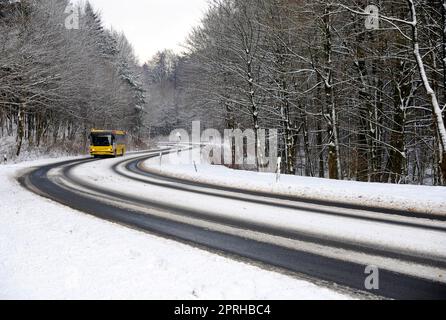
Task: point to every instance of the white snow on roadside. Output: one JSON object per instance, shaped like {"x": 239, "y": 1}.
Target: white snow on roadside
{"x": 417, "y": 199}
{"x": 8, "y": 150}
{"x": 48, "y": 251}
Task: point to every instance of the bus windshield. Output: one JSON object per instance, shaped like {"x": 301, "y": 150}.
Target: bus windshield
{"x": 101, "y": 140}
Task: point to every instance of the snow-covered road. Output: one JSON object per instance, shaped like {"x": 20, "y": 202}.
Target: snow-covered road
{"x": 48, "y": 251}
{"x": 332, "y": 243}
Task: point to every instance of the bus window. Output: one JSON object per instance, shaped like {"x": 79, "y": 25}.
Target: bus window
{"x": 101, "y": 140}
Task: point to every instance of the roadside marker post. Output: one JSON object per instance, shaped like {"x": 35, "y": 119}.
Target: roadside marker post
{"x": 279, "y": 168}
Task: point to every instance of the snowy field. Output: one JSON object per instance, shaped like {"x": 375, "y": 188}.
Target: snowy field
{"x": 416, "y": 199}
{"x": 48, "y": 251}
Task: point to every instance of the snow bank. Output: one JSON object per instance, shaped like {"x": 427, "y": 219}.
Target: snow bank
{"x": 48, "y": 251}
{"x": 416, "y": 199}
{"x": 8, "y": 147}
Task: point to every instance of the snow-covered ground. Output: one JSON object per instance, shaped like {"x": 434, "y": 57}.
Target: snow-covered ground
{"x": 48, "y": 251}
{"x": 8, "y": 148}
{"x": 416, "y": 199}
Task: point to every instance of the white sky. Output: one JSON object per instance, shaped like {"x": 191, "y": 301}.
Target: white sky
{"x": 152, "y": 25}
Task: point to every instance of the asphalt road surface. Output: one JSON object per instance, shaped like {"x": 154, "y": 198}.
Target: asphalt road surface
{"x": 335, "y": 261}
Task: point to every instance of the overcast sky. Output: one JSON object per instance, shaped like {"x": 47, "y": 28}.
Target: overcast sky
{"x": 152, "y": 25}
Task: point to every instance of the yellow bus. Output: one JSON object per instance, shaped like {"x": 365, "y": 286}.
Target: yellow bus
{"x": 107, "y": 143}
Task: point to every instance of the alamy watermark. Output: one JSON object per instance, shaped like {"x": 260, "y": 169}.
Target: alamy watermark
{"x": 372, "y": 280}
{"x": 372, "y": 19}
{"x": 72, "y": 20}
{"x": 233, "y": 147}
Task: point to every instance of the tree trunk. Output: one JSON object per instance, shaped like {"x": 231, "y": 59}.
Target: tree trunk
{"x": 436, "y": 109}
{"x": 443, "y": 167}
{"x": 2, "y": 123}
{"x": 397, "y": 141}
{"x": 363, "y": 145}
{"x": 443, "y": 13}
{"x": 443, "y": 157}
{"x": 334, "y": 164}
{"x": 56, "y": 132}
{"x": 290, "y": 141}
{"x": 254, "y": 109}
{"x": 364, "y": 108}
{"x": 20, "y": 130}
{"x": 308, "y": 165}
{"x": 321, "y": 150}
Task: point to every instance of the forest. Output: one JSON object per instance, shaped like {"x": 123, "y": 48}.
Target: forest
{"x": 57, "y": 83}
{"x": 350, "y": 101}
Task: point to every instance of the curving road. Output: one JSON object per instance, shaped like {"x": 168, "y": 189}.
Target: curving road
{"x": 325, "y": 241}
